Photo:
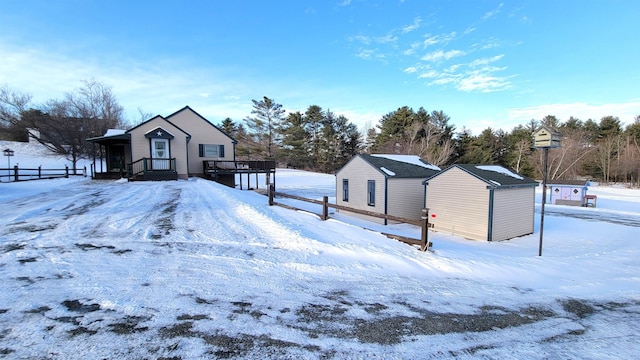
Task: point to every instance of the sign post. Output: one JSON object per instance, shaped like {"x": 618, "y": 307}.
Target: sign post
{"x": 8, "y": 153}
{"x": 545, "y": 138}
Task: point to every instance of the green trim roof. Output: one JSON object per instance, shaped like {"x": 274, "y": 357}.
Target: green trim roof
{"x": 399, "y": 169}
{"x": 494, "y": 175}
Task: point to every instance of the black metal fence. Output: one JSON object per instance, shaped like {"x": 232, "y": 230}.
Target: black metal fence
{"x": 25, "y": 174}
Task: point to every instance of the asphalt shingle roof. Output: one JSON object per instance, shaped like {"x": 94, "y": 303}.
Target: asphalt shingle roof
{"x": 496, "y": 177}
{"x": 399, "y": 169}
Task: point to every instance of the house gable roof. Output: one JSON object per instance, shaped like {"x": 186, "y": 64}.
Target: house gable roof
{"x": 159, "y": 132}
{"x": 495, "y": 176}
{"x": 393, "y": 168}
{"x": 188, "y": 108}
{"x": 160, "y": 119}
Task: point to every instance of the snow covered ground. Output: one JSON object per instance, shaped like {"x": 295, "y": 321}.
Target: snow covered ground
{"x": 193, "y": 269}
{"x": 31, "y": 156}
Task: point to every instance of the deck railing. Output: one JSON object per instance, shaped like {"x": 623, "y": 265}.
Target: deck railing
{"x": 226, "y": 166}
{"x": 143, "y": 165}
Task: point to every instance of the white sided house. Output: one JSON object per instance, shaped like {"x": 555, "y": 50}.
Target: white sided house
{"x": 384, "y": 184}
{"x": 481, "y": 202}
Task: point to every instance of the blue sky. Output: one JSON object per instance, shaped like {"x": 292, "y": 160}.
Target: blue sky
{"x": 484, "y": 63}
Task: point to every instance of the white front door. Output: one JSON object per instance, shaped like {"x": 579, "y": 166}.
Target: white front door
{"x": 160, "y": 154}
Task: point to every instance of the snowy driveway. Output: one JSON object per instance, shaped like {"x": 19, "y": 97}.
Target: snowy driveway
{"x": 192, "y": 269}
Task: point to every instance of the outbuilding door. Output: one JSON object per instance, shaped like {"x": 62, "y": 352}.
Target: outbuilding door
{"x": 160, "y": 154}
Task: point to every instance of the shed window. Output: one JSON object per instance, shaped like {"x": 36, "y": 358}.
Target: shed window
{"x": 211, "y": 150}
{"x": 345, "y": 189}
{"x": 371, "y": 192}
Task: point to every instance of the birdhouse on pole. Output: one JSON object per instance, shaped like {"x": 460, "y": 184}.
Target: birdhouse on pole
{"x": 546, "y": 137}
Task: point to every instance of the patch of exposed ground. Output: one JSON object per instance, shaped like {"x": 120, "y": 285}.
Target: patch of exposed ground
{"x": 164, "y": 222}
{"x": 336, "y": 315}
{"x": 129, "y": 325}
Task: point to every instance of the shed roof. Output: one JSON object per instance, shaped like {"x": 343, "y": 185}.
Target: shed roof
{"x": 494, "y": 175}
{"x": 557, "y": 182}
{"x": 395, "y": 167}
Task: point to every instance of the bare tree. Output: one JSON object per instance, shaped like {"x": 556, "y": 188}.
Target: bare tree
{"x": 143, "y": 116}
{"x": 567, "y": 161}
{"x": 12, "y": 104}
{"x": 64, "y": 125}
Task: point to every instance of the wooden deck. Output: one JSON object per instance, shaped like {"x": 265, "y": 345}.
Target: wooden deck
{"x": 225, "y": 171}
{"x": 234, "y": 167}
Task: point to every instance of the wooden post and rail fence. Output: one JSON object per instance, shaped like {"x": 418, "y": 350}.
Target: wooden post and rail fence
{"x": 423, "y": 242}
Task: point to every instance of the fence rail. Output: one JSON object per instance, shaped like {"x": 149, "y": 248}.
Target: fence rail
{"x": 26, "y": 174}
{"x": 423, "y": 242}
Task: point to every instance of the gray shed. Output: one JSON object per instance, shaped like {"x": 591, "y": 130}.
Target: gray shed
{"x": 384, "y": 183}
{"x": 481, "y": 202}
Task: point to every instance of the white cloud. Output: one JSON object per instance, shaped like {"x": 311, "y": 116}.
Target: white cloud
{"x": 361, "y": 38}
{"x": 386, "y": 39}
{"x": 485, "y": 61}
{"x": 431, "y": 40}
{"x": 412, "y": 50}
{"x": 453, "y": 68}
{"x": 483, "y": 82}
{"x": 365, "y": 54}
{"x": 440, "y": 55}
{"x": 414, "y": 26}
{"x": 410, "y": 69}
{"x": 493, "y": 12}
{"x": 429, "y": 74}
{"x": 445, "y": 79}
{"x": 625, "y": 111}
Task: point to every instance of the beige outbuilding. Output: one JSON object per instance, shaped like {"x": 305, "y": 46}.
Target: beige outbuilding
{"x": 481, "y": 202}
{"x": 386, "y": 184}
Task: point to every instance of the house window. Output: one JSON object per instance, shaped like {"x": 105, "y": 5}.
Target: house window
{"x": 211, "y": 150}
{"x": 371, "y": 192}
{"x": 345, "y": 189}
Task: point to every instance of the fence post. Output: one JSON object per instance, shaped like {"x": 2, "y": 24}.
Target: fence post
{"x": 15, "y": 173}
{"x": 272, "y": 189}
{"x": 85, "y": 171}
{"x": 424, "y": 219}
{"x": 66, "y": 171}
{"x": 40, "y": 172}
{"x": 325, "y": 207}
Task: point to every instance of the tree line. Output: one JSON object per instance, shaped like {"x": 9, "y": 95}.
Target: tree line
{"x": 317, "y": 139}
{"x": 320, "y": 140}
{"x": 600, "y": 150}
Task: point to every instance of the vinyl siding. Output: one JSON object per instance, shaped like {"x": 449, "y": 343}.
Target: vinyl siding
{"x": 405, "y": 198}
{"x": 202, "y": 132}
{"x": 513, "y": 213}
{"x": 460, "y": 203}
{"x": 358, "y": 172}
{"x": 141, "y": 146}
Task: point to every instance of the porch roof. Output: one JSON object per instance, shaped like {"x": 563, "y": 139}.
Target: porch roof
{"x": 111, "y": 137}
